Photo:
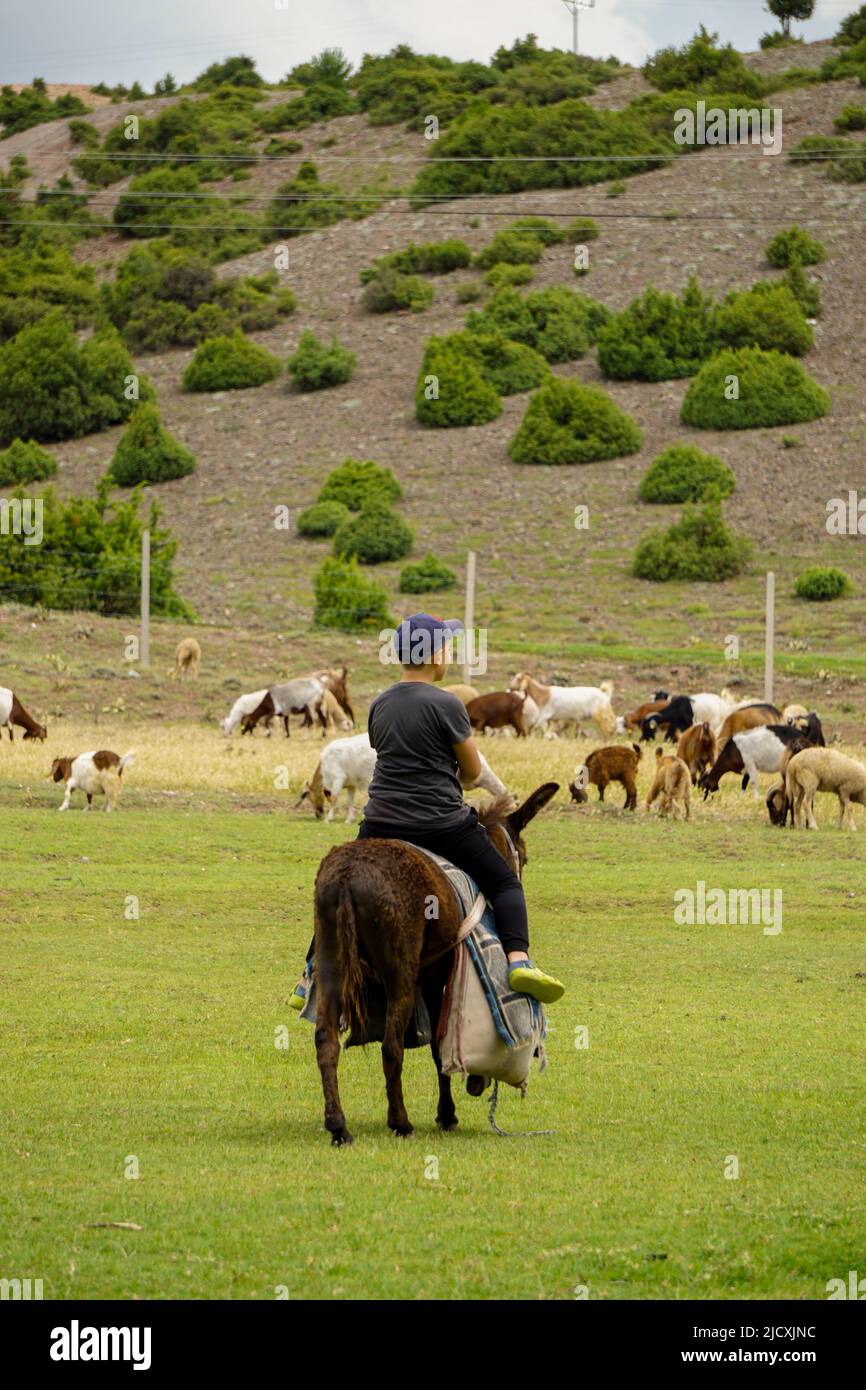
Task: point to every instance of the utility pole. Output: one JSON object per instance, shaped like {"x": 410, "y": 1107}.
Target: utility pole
{"x": 574, "y": 6}
{"x": 144, "y": 646}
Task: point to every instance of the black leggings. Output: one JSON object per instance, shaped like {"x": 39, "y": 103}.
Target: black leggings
{"x": 468, "y": 846}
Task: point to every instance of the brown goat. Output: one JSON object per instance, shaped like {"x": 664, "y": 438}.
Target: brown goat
{"x": 614, "y": 763}
{"x": 672, "y": 784}
{"x": 187, "y": 656}
{"x": 335, "y": 680}
{"x": 13, "y": 712}
{"x": 496, "y": 711}
{"x": 697, "y": 748}
{"x": 749, "y": 717}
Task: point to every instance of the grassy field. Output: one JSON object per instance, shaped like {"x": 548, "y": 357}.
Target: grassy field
{"x": 151, "y": 1045}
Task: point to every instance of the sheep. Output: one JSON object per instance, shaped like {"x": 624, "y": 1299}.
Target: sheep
{"x": 244, "y": 704}
{"x": 496, "y": 710}
{"x": 348, "y": 764}
{"x": 610, "y": 764}
{"x": 92, "y": 773}
{"x": 334, "y": 679}
{"x": 745, "y": 717}
{"x": 824, "y": 770}
{"x": 672, "y": 784}
{"x": 13, "y": 712}
{"x": 778, "y": 805}
{"x": 569, "y": 703}
{"x": 464, "y": 693}
{"x": 187, "y": 655}
{"x": 697, "y": 748}
{"x": 750, "y": 752}
{"x": 791, "y": 713}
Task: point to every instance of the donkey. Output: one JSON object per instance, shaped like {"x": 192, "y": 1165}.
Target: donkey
{"x": 371, "y": 903}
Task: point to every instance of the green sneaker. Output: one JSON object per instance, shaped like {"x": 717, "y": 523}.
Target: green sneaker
{"x": 299, "y": 996}
{"x": 526, "y": 978}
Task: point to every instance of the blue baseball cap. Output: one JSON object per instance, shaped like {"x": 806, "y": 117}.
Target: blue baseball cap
{"x": 422, "y": 638}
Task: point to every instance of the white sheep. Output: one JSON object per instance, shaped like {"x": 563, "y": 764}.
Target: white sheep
{"x": 824, "y": 770}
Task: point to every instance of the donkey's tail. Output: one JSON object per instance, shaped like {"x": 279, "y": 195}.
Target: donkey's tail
{"x": 351, "y": 975}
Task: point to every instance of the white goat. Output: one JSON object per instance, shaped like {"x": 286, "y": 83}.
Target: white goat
{"x": 569, "y": 703}
{"x": 244, "y": 704}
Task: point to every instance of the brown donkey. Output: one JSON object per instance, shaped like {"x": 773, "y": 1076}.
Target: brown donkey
{"x": 372, "y": 901}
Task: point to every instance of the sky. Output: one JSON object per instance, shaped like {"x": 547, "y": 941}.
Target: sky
{"x": 110, "y": 41}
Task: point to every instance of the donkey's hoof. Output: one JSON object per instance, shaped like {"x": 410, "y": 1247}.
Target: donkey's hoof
{"x": 340, "y": 1137}
{"x": 403, "y": 1131}
{"x": 446, "y": 1122}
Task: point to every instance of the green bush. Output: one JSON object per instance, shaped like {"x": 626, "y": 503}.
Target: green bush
{"x": 50, "y": 388}
{"x": 659, "y": 337}
{"x": 700, "y": 547}
{"x": 427, "y": 576}
{"x": 773, "y": 390}
{"x": 316, "y": 365}
{"x": 322, "y": 519}
{"x": 806, "y": 292}
{"x": 541, "y": 228}
{"x": 852, "y": 29}
{"x": 90, "y": 558}
{"x": 230, "y": 363}
{"x": 510, "y": 248}
{"x": 159, "y": 326}
{"x": 357, "y": 482}
{"x": 470, "y": 292}
{"x": 348, "y": 599}
{"x": 566, "y": 422}
{"x": 430, "y": 258}
{"x": 819, "y": 584}
{"x": 376, "y": 534}
{"x": 794, "y": 245}
{"x": 147, "y": 453}
{"x": 583, "y": 229}
{"x": 507, "y": 366}
{"x": 847, "y": 64}
{"x": 561, "y": 324}
{"x": 851, "y": 118}
{"x": 39, "y": 278}
{"x": 25, "y": 463}
{"x": 777, "y": 39}
{"x": 702, "y": 64}
{"x": 305, "y": 203}
{"x": 501, "y": 277}
{"x": 83, "y": 133}
{"x": 451, "y": 390}
{"x": 766, "y": 316}
{"x": 392, "y": 290}
{"x": 682, "y": 473}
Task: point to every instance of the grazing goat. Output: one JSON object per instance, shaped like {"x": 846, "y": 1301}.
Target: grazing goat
{"x": 187, "y": 655}
{"x": 611, "y": 764}
{"x": 671, "y": 784}
{"x": 244, "y": 704}
{"x": 464, "y": 693}
{"x": 569, "y": 703}
{"x": 93, "y": 774}
{"x": 626, "y": 722}
{"x": 697, "y": 748}
{"x": 778, "y": 805}
{"x": 824, "y": 770}
{"x": 334, "y": 679}
{"x": 791, "y": 713}
{"x": 753, "y": 751}
{"x": 13, "y": 712}
{"x": 301, "y": 696}
{"x": 334, "y": 712}
{"x": 497, "y": 710}
{"x": 348, "y": 764}
{"x": 682, "y": 711}
{"x": 747, "y": 717}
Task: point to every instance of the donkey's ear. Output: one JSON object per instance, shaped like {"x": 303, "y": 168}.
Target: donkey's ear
{"x": 531, "y": 806}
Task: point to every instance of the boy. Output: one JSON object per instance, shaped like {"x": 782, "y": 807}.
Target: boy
{"x": 424, "y": 746}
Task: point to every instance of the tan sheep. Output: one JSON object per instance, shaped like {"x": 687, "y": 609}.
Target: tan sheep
{"x": 463, "y": 692}
{"x": 187, "y": 655}
{"x": 672, "y": 783}
{"x": 824, "y": 770}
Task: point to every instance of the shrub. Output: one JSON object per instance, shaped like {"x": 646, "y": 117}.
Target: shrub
{"x": 305, "y": 203}
{"x": 806, "y": 292}
{"x": 50, "y": 388}
{"x": 83, "y": 133}
{"x": 767, "y": 316}
{"x": 851, "y": 118}
{"x": 583, "y": 229}
{"x": 561, "y": 324}
{"x": 230, "y": 363}
{"x": 819, "y": 584}
{"x": 702, "y": 63}
{"x": 316, "y": 365}
{"x": 25, "y": 463}
{"x": 427, "y": 576}
{"x": 698, "y": 547}
{"x": 357, "y": 482}
{"x": 773, "y": 390}
{"x": 451, "y": 390}
{"x": 506, "y": 276}
{"x": 510, "y": 248}
{"x": 777, "y": 39}
{"x": 348, "y": 599}
{"x": 322, "y": 519}
{"x": 852, "y": 29}
{"x": 470, "y": 292}
{"x": 794, "y": 245}
{"x": 507, "y": 366}
{"x": 659, "y": 337}
{"x": 159, "y": 326}
{"x": 682, "y": 473}
{"x": 430, "y": 258}
{"x": 147, "y": 453}
{"x": 376, "y": 534}
{"x": 391, "y": 290}
{"x": 541, "y": 228}
{"x": 566, "y": 422}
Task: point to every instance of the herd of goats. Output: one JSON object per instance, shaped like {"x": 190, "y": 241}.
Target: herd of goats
{"x": 713, "y": 735}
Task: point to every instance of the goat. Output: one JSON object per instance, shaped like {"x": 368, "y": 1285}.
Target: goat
{"x": 824, "y": 770}
{"x": 187, "y": 655}
{"x": 92, "y": 773}
{"x": 465, "y": 693}
{"x": 626, "y": 722}
{"x": 697, "y": 748}
{"x": 750, "y": 752}
{"x": 334, "y": 679}
{"x": 778, "y": 805}
{"x": 745, "y": 717}
{"x": 610, "y": 764}
{"x": 791, "y": 713}
{"x": 334, "y": 712}
{"x": 497, "y": 710}
{"x": 300, "y": 696}
{"x": 244, "y": 704}
{"x": 672, "y": 784}
{"x": 570, "y": 703}
{"x": 13, "y": 712}
{"x": 682, "y": 711}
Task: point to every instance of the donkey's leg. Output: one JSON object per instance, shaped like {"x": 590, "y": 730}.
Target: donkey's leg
{"x": 446, "y": 1115}
{"x": 328, "y": 1050}
{"x": 397, "y": 1016}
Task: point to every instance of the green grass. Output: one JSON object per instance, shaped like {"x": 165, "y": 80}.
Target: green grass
{"x": 156, "y": 1038}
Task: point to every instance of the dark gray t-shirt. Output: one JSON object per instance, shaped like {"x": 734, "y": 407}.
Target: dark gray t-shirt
{"x": 416, "y": 783}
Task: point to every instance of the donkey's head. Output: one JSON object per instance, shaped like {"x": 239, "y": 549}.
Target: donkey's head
{"x": 505, "y": 826}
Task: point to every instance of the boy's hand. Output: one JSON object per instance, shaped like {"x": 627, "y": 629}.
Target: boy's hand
{"x": 468, "y": 761}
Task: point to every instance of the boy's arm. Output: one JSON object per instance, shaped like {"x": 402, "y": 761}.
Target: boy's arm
{"x": 468, "y": 761}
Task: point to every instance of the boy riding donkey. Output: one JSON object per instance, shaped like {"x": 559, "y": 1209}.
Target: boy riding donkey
{"x": 424, "y": 746}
